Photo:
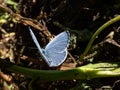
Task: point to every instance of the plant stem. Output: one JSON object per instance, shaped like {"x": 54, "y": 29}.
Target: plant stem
{"x": 117, "y": 18}
{"x": 84, "y": 72}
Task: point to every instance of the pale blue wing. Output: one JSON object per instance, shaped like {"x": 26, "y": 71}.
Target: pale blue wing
{"x": 59, "y": 43}
{"x": 57, "y": 58}
{"x": 42, "y": 52}
{"x": 57, "y": 49}
{"x": 35, "y": 40}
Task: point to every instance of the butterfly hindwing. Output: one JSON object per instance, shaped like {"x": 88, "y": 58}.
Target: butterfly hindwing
{"x": 58, "y": 58}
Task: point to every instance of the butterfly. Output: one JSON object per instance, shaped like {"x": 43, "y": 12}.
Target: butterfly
{"x": 55, "y": 52}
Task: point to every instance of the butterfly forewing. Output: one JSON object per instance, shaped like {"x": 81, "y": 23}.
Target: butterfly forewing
{"x": 35, "y": 40}
{"x": 59, "y": 43}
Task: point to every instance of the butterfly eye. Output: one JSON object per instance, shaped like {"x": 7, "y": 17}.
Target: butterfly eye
{"x": 44, "y": 51}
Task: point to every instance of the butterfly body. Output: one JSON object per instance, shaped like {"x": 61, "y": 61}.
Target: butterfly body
{"x": 55, "y": 51}
{"x": 47, "y": 57}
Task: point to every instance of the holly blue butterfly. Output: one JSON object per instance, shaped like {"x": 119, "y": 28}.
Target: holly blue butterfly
{"x": 55, "y": 51}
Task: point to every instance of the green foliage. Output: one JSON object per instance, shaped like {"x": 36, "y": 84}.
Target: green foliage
{"x": 12, "y": 3}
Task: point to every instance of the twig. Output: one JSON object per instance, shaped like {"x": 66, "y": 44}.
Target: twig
{"x": 27, "y": 21}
